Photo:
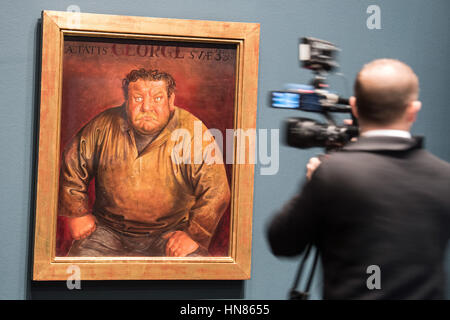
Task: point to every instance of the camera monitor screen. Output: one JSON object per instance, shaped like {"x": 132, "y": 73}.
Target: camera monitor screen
{"x": 296, "y": 100}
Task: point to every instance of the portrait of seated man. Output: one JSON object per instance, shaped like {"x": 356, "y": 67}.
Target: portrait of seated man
{"x": 146, "y": 204}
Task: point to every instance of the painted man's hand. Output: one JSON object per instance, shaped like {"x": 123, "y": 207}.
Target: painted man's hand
{"x": 179, "y": 244}
{"x": 82, "y": 227}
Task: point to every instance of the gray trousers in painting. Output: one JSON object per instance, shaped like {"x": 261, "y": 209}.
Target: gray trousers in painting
{"x": 107, "y": 242}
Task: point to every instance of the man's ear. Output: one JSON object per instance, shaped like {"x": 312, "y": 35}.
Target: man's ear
{"x": 172, "y": 102}
{"x": 412, "y": 110}
{"x": 352, "y": 102}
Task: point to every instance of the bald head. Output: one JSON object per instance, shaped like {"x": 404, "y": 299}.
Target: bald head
{"x": 383, "y": 90}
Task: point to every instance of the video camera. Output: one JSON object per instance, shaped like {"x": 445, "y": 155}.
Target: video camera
{"x": 318, "y": 56}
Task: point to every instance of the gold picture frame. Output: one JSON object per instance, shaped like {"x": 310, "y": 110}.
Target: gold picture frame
{"x": 236, "y": 265}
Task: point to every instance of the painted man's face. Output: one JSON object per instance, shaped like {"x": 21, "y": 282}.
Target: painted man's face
{"x": 148, "y": 106}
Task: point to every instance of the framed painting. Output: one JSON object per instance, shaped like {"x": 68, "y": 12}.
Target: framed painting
{"x": 142, "y": 123}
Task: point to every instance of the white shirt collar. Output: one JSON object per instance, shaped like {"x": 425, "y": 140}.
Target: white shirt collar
{"x": 387, "y": 133}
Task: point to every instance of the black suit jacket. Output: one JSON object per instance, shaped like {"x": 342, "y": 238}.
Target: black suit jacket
{"x": 381, "y": 201}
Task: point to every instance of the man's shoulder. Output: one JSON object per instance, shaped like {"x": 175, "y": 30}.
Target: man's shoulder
{"x": 186, "y": 120}
{"x": 344, "y": 166}
{"x": 342, "y": 160}
{"x": 185, "y": 115}
{"x": 337, "y": 165}
{"x": 435, "y": 161}
{"x": 108, "y": 117}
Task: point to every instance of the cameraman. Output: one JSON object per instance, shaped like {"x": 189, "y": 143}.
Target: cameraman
{"x": 382, "y": 200}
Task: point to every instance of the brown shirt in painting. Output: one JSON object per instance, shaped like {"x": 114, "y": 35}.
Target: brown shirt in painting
{"x": 143, "y": 192}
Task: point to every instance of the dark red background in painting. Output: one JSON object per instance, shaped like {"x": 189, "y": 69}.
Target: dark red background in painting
{"x": 93, "y": 70}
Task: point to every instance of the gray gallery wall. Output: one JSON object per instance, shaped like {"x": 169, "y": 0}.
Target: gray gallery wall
{"x": 415, "y": 31}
